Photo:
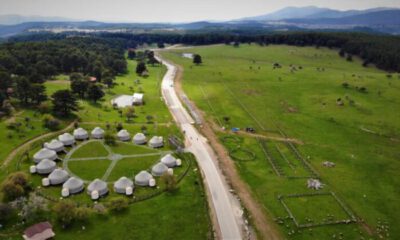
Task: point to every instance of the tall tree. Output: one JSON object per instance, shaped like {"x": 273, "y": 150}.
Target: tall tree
{"x": 140, "y": 68}
{"x": 64, "y": 102}
{"x": 23, "y": 89}
{"x": 197, "y": 59}
{"x": 80, "y": 87}
{"x": 38, "y": 93}
{"x": 95, "y": 92}
{"x": 131, "y": 54}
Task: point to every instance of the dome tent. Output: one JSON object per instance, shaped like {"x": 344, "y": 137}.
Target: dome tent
{"x": 67, "y": 139}
{"x": 58, "y": 176}
{"x": 74, "y": 185}
{"x": 123, "y": 135}
{"x": 169, "y": 160}
{"x": 97, "y": 133}
{"x": 55, "y": 145}
{"x": 139, "y": 139}
{"x": 44, "y": 153}
{"x": 122, "y": 184}
{"x": 80, "y": 134}
{"x": 156, "y": 142}
{"x": 45, "y": 166}
{"x": 159, "y": 169}
{"x": 99, "y": 186}
{"x": 143, "y": 178}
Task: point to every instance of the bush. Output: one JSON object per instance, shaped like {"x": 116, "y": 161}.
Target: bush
{"x": 345, "y": 85}
{"x": 15, "y": 186}
{"x": 169, "y": 181}
{"x": 118, "y": 204}
{"x": 110, "y": 139}
{"x": 65, "y": 212}
{"x": 44, "y": 107}
{"x": 50, "y": 122}
{"x": 6, "y": 212}
{"x": 82, "y": 214}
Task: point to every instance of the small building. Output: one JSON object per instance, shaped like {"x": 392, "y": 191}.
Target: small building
{"x": 159, "y": 169}
{"x": 137, "y": 99}
{"x": 139, "y": 139}
{"x": 44, "y": 153}
{"x": 97, "y": 133}
{"x": 143, "y": 178}
{"x": 122, "y": 185}
{"x": 123, "y": 135}
{"x": 92, "y": 79}
{"x": 74, "y": 185}
{"x": 55, "y": 145}
{"x": 58, "y": 176}
{"x": 80, "y": 134}
{"x": 98, "y": 186}
{"x": 45, "y": 166}
{"x": 156, "y": 142}
{"x": 169, "y": 160}
{"x": 39, "y": 231}
{"x": 67, "y": 139}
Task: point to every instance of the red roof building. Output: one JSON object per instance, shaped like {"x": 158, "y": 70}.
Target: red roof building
{"x": 40, "y": 231}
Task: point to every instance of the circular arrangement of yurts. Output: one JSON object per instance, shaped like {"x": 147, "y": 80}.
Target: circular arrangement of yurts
{"x": 55, "y": 145}
{"x": 80, "y": 134}
{"x": 159, "y": 169}
{"x": 143, "y": 178}
{"x": 73, "y": 185}
{"x": 156, "y": 142}
{"x": 124, "y": 135}
{"x": 139, "y": 139}
{"x": 97, "y": 133}
{"x": 44, "y": 153}
{"x": 124, "y": 186}
{"x": 45, "y": 166}
{"x": 58, "y": 176}
{"x": 67, "y": 139}
{"x": 97, "y": 188}
{"x": 169, "y": 160}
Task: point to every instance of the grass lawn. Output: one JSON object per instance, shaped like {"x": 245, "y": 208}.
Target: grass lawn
{"x": 129, "y": 167}
{"x": 91, "y": 149}
{"x": 126, "y": 148}
{"x": 89, "y": 170}
{"x": 300, "y": 98}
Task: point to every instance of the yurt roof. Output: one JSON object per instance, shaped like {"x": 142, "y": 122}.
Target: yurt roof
{"x": 97, "y": 130}
{"x": 54, "y": 144}
{"x": 156, "y": 139}
{"x": 46, "y": 164}
{"x": 143, "y": 176}
{"x": 123, "y": 182}
{"x": 73, "y": 182}
{"x": 123, "y": 133}
{"x": 97, "y": 185}
{"x": 65, "y": 137}
{"x": 139, "y": 136}
{"x": 169, "y": 159}
{"x": 45, "y": 153}
{"x": 58, "y": 173}
{"x": 80, "y": 131}
{"x": 159, "y": 167}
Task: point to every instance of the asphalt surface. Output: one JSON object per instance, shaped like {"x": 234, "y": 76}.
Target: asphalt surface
{"x": 223, "y": 206}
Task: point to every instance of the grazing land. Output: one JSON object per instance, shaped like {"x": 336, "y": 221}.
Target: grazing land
{"x": 336, "y": 111}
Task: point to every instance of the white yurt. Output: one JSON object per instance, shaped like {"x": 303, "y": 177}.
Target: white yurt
{"x": 97, "y": 133}
{"x": 156, "y": 142}
{"x": 58, "y": 176}
{"x": 123, "y": 135}
{"x": 122, "y": 184}
{"x": 143, "y": 178}
{"x": 74, "y": 185}
{"x": 55, "y": 145}
{"x": 80, "y": 134}
{"x": 44, "y": 153}
{"x": 159, "y": 169}
{"x": 99, "y": 186}
{"x": 169, "y": 160}
{"x": 139, "y": 139}
{"x": 45, "y": 166}
{"x": 67, "y": 139}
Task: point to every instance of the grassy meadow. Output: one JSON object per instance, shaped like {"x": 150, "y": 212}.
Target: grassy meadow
{"x": 339, "y": 110}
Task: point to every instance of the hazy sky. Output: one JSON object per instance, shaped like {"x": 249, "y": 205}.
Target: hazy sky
{"x": 170, "y": 10}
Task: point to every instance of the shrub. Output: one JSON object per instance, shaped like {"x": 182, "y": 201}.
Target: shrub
{"x": 65, "y": 212}
{"x": 345, "y": 85}
{"x": 363, "y": 89}
{"x": 118, "y": 204}
{"x": 119, "y": 127}
{"x": 110, "y": 139}
{"x": 15, "y": 186}
{"x": 6, "y": 212}
{"x": 44, "y": 107}
{"x": 169, "y": 181}
{"x": 50, "y": 122}
{"x": 82, "y": 214}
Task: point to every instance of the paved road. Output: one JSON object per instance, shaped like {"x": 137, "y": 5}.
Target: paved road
{"x": 224, "y": 208}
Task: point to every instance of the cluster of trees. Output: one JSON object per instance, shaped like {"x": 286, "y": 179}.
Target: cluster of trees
{"x": 83, "y": 88}
{"x": 16, "y": 185}
{"x": 143, "y": 58}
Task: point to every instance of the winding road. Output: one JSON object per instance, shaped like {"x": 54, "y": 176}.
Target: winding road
{"x": 225, "y": 210}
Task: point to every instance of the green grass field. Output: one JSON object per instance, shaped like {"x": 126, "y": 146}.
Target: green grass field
{"x": 300, "y": 98}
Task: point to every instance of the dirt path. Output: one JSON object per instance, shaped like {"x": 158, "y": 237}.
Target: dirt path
{"x": 265, "y": 225}
{"x": 27, "y": 143}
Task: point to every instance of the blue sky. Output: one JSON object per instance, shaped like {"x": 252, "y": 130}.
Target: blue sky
{"x": 170, "y": 10}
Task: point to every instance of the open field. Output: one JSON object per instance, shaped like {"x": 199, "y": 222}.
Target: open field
{"x": 301, "y": 99}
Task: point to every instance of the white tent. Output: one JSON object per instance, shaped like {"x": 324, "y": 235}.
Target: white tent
{"x": 97, "y": 133}
{"x": 58, "y": 176}
{"x": 123, "y": 135}
{"x": 122, "y": 184}
{"x": 159, "y": 169}
{"x": 54, "y": 145}
{"x": 74, "y": 185}
{"x": 143, "y": 178}
{"x": 67, "y": 139}
{"x": 80, "y": 134}
{"x": 99, "y": 186}
{"x": 169, "y": 160}
{"x": 45, "y": 166}
{"x": 44, "y": 153}
{"x": 156, "y": 142}
{"x": 137, "y": 99}
{"x": 139, "y": 139}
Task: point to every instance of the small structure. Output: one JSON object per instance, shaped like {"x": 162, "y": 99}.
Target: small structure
{"x": 328, "y": 164}
{"x": 45, "y": 182}
{"x": 139, "y": 139}
{"x": 55, "y": 145}
{"x": 169, "y": 160}
{"x": 44, "y": 153}
{"x": 39, "y": 231}
{"x": 314, "y": 184}
{"x": 156, "y": 142}
{"x": 74, "y": 185}
{"x": 92, "y": 79}
{"x": 137, "y": 98}
{"x": 97, "y": 186}
{"x": 123, "y": 135}
{"x": 143, "y": 178}
{"x": 159, "y": 169}
{"x": 32, "y": 169}
{"x": 122, "y": 185}
{"x": 45, "y": 166}
{"x": 67, "y": 139}
{"x": 58, "y": 176}
{"x": 80, "y": 134}
{"x": 97, "y": 133}
{"x": 235, "y": 129}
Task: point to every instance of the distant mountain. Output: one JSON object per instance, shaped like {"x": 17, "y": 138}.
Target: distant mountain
{"x": 14, "y": 19}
